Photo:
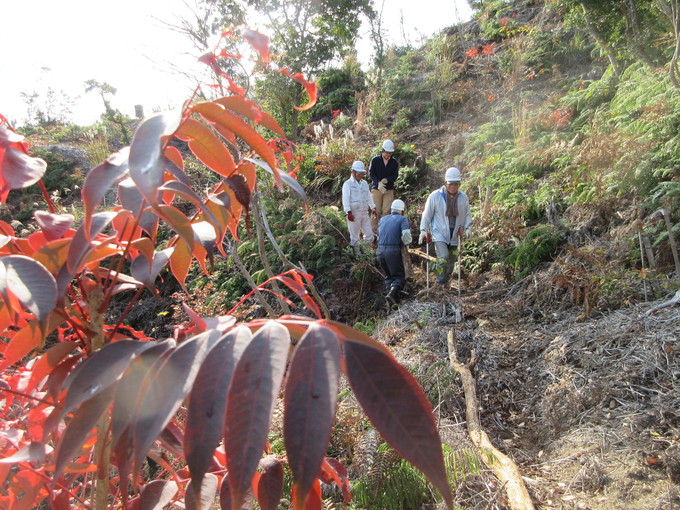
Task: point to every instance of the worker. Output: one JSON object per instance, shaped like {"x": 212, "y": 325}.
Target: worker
{"x": 383, "y": 171}
{"x": 446, "y": 220}
{"x": 357, "y": 203}
{"x": 393, "y": 231}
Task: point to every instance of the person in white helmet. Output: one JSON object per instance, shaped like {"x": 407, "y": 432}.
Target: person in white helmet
{"x": 383, "y": 171}
{"x": 446, "y": 219}
{"x": 357, "y": 203}
{"x": 393, "y": 231}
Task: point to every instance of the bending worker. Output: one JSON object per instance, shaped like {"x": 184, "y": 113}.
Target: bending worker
{"x": 446, "y": 219}
{"x": 393, "y": 231}
{"x": 357, "y": 203}
{"x": 383, "y": 171}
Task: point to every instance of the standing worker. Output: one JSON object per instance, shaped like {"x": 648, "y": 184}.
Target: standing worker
{"x": 446, "y": 219}
{"x": 393, "y": 231}
{"x": 383, "y": 171}
{"x": 357, "y": 203}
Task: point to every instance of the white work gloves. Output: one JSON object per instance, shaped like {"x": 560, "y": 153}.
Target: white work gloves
{"x": 424, "y": 237}
{"x": 382, "y": 187}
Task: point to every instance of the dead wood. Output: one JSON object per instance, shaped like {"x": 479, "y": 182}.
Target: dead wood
{"x": 499, "y": 463}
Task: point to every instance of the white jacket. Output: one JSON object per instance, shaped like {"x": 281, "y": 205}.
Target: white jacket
{"x": 356, "y": 196}
{"x": 435, "y": 220}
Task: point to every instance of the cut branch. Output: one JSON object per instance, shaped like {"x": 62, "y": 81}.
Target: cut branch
{"x": 499, "y": 463}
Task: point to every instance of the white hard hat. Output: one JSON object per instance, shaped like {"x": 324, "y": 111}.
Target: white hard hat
{"x": 358, "y": 166}
{"x": 388, "y": 146}
{"x": 398, "y": 205}
{"x": 452, "y": 175}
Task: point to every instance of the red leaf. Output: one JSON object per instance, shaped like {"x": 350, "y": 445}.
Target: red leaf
{"x": 310, "y": 402}
{"x": 207, "y": 493}
{"x": 48, "y": 362}
{"x": 216, "y": 113}
{"x": 310, "y": 87}
{"x": 313, "y": 501}
{"x": 157, "y": 494}
{"x": 247, "y": 108}
{"x": 23, "y": 342}
{"x": 207, "y": 147}
{"x": 270, "y": 484}
{"x": 397, "y": 406}
{"x": 332, "y": 470}
{"x": 259, "y": 42}
{"x": 180, "y": 262}
{"x": 250, "y": 403}
{"x": 208, "y": 401}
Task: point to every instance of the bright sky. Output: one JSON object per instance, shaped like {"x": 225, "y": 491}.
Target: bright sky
{"x": 61, "y": 44}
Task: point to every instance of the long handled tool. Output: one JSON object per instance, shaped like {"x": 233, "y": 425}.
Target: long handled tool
{"x": 427, "y": 265}
{"x": 459, "y": 305}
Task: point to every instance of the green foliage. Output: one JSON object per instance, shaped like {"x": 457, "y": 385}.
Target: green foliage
{"x": 409, "y": 180}
{"x": 539, "y": 245}
{"x": 337, "y": 91}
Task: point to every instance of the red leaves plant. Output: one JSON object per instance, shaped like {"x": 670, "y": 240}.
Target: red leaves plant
{"x": 82, "y": 415}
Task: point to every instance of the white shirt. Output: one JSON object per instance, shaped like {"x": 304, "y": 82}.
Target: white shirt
{"x": 356, "y": 196}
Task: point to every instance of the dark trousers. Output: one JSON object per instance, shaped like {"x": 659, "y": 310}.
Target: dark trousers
{"x": 389, "y": 258}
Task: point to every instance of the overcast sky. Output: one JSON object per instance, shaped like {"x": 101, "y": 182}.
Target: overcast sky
{"x": 60, "y": 45}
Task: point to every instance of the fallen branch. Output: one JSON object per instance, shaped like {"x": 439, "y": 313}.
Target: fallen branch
{"x": 499, "y": 463}
{"x": 673, "y": 301}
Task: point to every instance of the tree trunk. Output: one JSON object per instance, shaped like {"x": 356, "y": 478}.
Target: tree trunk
{"x": 592, "y": 30}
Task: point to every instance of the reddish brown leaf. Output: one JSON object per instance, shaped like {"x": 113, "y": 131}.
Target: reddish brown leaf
{"x": 259, "y": 42}
{"x": 206, "y": 494}
{"x": 208, "y": 401}
{"x": 146, "y": 160}
{"x": 157, "y": 494}
{"x": 159, "y": 399}
{"x": 310, "y": 401}
{"x": 133, "y": 201}
{"x": 397, "y": 406}
{"x": 250, "y": 403}
{"x": 290, "y": 181}
{"x": 79, "y": 428}
{"x": 29, "y": 281}
{"x": 146, "y": 271}
{"x": 81, "y": 244}
{"x": 99, "y": 181}
{"x": 225, "y": 494}
{"x": 103, "y": 368}
{"x": 207, "y": 147}
{"x": 270, "y": 484}
{"x": 53, "y": 226}
{"x": 239, "y": 186}
{"x": 19, "y": 170}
